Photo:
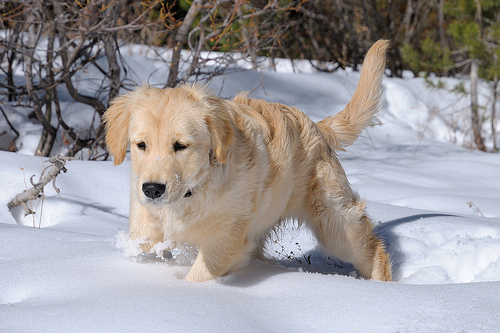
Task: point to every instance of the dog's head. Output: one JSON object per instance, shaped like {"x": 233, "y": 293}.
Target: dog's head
{"x": 175, "y": 136}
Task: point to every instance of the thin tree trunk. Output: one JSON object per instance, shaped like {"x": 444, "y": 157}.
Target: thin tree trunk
{"x": 442, "y": 33}
{"x": 493, "y": 114}
{"x": 49, "y": 132}
{"x": 48, "y": 138}
{"x": 407, "y": 20}
{"x": 10, "y": 73}
{"x": 179, "y": 38}
{"x": 474, "y": 81}
{"x": 111, "y": 51}
{"x": 476, "y": 126}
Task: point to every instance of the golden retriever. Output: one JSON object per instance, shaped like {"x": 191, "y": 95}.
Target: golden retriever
{"x": 222, "y": 174}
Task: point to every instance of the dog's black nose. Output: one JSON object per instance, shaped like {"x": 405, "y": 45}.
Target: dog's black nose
{"x": 153, "y": 190}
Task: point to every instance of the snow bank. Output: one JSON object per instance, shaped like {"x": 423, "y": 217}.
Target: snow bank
{"x": 435, "y": 205}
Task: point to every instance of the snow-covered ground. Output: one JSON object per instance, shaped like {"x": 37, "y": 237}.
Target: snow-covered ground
{"x": 72, "y": 268}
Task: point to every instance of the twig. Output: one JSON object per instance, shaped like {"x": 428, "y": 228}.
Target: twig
{"x": 476, "y": 208}
{"x": 33, "y": 193}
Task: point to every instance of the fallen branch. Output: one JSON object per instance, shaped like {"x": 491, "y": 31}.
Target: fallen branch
{"x": 36, "y": 191}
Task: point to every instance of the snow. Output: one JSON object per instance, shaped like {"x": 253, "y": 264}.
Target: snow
{"x": 74, "y": 268}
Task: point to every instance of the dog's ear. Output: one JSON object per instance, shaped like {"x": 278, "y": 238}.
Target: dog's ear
{"x": 220, "y": 126}
{"x": 116, "y": 120}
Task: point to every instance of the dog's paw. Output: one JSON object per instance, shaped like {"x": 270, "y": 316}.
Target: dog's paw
{"x": 199, "y": 275}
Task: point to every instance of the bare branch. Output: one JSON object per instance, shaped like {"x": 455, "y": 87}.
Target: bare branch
{"x": 12, "y": 144}
{"x": 58, "y": 165}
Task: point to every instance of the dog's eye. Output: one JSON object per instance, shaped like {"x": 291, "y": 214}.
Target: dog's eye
{"x": 178, "y": 146}
{"x": 141, "y": 145}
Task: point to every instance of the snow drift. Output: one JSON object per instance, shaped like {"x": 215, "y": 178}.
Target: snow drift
{"x": 71, "y": 267}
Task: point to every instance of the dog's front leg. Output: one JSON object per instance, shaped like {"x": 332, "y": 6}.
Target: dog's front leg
{"x": 200, "y": 271}
{"x": 210, "y": 266}
{"x": 144, "y": 225}
{"x": 222, "y": 255}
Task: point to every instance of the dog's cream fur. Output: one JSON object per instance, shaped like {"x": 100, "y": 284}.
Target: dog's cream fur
{"x": 232, "y": 170}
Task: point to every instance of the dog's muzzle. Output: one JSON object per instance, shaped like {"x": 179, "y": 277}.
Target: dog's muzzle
{"x": 157, "y": 190}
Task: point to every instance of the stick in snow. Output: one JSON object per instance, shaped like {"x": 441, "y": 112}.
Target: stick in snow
{"x": 33, "y": 193}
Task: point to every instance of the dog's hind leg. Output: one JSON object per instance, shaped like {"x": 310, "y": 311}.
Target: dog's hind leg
{"x": 339, "y": 221}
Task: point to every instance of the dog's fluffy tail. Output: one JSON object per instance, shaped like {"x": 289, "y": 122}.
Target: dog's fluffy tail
{"x": 344, "y": 128}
